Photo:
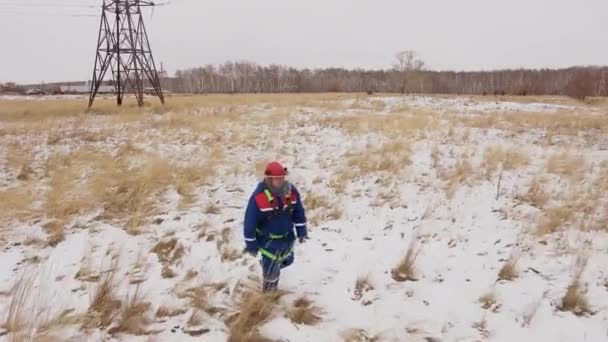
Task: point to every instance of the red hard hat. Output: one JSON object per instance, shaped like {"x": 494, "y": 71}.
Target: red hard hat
{"x": 275, "y": 169}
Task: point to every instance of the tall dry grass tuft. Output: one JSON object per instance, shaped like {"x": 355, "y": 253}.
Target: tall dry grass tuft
{"x": 169, "y": 251}
{"x": 255, "y": 309}
{"x": 29, "y": 317}
{"x": 536, "y": 195}
{"x": 134, "y": 315}
{"x": 19, "y": 320}
{"x": 303, "y": 312}
{"x": 55, "y": 232}
{"x": 509, "y": 271}
{"x": 405, "y": 270}
{"x": 574, "y": 299}
{"x": 488, "y": 300}
{"x": 456, "y": 176}
{"x": 106, "y": 304}
{"x": 362, "y": 286}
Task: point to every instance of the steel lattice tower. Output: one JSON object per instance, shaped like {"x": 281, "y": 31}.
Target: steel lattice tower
{"x": 124, "y": 49}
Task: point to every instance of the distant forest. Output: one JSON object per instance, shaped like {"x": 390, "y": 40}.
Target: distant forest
{"x": 246, "y": 77}
{"x": 408, "y": 75}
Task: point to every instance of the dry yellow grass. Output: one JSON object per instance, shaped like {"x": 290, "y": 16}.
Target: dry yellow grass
{"x": 164, "y": 311}
{"x": 16, "y": 202}
{"x": 169, "y": 251}
{"x": 255, "y": 309}
{"x": 393, "y": 125}
{"x": 509, "y": 271}
{"x": 18, "y": 317}
{"x": 362, "y": 285}
{"x": 488, "y": 300}
{"x": 135, "y": 315}
{"x": 496, "y": 157}
{"x": 199, "y": 298}
{"x": 29, "y": 318}
{"x": 574, "y": 299}
{"x": 457, "y": 176}
{"x": 564, "y": 122}
{"x": 55, "y": 232}
{"x": 315, "y": 201}
{"x": 553, "y": 219}
{"x": 105, "y": 304}
{"x": 359, "y": 335}
{"x": 392, "y": 157}
{"x": 339, "y": 181}
{"x": 195, "y": 319}
{"x": 405, "y": 270}
{"x": 187, "y": 178}
{"x": 536, "y": 195}
{"x": 566, "y": 164}
{"x": 304, "y": 312}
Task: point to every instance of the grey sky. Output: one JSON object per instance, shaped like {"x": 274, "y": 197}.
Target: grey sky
{"x": 449, "y": 34}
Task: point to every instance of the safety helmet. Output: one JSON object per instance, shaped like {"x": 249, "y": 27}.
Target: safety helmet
{"x": 275, "y": 169}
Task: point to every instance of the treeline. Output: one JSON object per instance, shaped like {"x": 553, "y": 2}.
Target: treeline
{"x": 247, "y": 77}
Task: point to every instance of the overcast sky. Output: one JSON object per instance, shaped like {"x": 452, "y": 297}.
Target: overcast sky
{"x": 448, "y": 34}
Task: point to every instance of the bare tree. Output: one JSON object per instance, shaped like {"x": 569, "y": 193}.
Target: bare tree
{"x": 408, "y": 66}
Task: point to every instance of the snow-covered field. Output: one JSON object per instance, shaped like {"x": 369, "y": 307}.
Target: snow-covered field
{"x": 502, "y": 205}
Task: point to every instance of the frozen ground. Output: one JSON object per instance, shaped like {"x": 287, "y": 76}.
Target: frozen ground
{"x": 464, "y": 236}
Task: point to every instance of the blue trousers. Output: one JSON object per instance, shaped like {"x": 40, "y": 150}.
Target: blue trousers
{"x": 276, "y": 255}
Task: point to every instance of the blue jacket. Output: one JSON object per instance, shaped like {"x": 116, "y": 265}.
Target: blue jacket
{"x": 270, "y": 217}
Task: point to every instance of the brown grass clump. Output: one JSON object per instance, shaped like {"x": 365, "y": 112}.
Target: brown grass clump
{"x": 456, "y": 177}
{"x": 339, "y": 182}
{"x": 564, "y": 122}
{"x": 28, "y": 317}
{"x": 169, "y": 251}
{"x": 314, "y": 201}
{"x": 574, "y": 299}
{"x": 393, "y": 124}
{"x": 167, "y": 272}
{"x": 536, "y": 195}
{"x": 18, "y": 317}
{"x": 255, "y": 309}
{"x": 362, "y": 285}
{"x": 134, "y": 315}
{"x": 509, "y": 271}
{"x": 495, "y": 157}
{"x": 405, "y": 270}
{"x": 170, "y": 311}
{"x": 187, "y": 178}
{"x": 198, "y": 297}
{"x": 391, "y": 157}
{"x": 359, "y": 335}
{"x": 488, "y": 300}
{"x": 303, "y": 312}
{"x": 565, "y": 164}
{"x": 213, "y": 209}
{"x": 17, "y": 202}
{"x": 553, "y": 219}
{"x": 105, "y": 304}
{"x": 56, "y": 232}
